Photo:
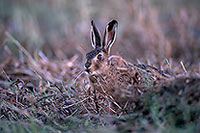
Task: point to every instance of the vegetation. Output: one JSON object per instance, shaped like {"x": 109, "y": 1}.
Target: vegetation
{"x": 42, "y": 51}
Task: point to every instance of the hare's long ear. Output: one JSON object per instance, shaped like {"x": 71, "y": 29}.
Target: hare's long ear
{"x": 110, "y": 35}
{"x": 95, "y": 36}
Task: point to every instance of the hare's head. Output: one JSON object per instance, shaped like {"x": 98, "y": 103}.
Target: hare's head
{"x": 97, "y": 59}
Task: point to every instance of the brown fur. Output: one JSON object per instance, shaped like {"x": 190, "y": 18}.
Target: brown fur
{"x": 112, "y": 75}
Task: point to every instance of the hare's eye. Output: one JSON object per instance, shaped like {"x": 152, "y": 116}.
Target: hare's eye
{"x": 100, "y": 57}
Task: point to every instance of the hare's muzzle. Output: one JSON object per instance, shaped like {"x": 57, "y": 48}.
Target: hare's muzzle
{"x": 87, "y": 65}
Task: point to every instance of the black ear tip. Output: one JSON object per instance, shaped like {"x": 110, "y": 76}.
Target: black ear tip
{"x": 113, "y": 23}
{"x": 92, "y": 22}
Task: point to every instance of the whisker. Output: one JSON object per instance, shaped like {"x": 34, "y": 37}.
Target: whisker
{"x": 78, "y": 76}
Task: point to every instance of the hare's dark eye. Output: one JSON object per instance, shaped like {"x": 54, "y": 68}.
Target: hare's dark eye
{"x": 100, "y": 57}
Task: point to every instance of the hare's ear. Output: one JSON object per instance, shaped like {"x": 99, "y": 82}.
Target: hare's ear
{"x": 110, "y": 35}
{"x": 95, "y": 36}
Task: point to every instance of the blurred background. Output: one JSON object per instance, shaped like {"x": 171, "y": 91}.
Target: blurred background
{"x": 42, "y": 51}
{"x": 149, "y": 30}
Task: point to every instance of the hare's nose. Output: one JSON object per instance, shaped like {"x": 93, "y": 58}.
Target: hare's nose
{"x": 88, "y": 64}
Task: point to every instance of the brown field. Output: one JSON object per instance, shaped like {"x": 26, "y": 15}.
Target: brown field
{"x": 42, "y": 53}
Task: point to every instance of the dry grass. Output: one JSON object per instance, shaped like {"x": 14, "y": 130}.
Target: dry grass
{"x": 42, "y": 51}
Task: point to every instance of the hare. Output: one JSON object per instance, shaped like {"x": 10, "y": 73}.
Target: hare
{"x": 112, "y": 75}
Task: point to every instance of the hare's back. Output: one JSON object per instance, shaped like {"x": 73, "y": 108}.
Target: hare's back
{"x": 118, "y": 62}
{"x": 153, "y": 70}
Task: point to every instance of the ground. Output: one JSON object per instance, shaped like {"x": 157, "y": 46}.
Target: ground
{"x": 43, "y": 87}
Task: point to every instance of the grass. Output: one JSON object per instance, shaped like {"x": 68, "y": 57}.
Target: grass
{"x": 43, "y": 89}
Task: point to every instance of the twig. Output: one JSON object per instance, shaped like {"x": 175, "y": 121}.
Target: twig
{"x": 75, "y": 103}
{"x": 8, "y": 78}
{"x": 17, "y": 43}
{"x": 167, "y": 61}
{"x": 183, "y": 67}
